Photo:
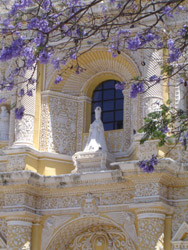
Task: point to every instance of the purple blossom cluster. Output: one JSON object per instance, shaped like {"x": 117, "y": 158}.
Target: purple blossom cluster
{"x": 20, "y": 5}
{"x": 155, "y": 79}
{"x": 136, "y": 88}
{"x": 7, "y": 53}
{"x": 147, "y": 166}
{"x": 164, "y": 129}
{"x": 140, "y": 40}
{"x": 58, "y": 79}
{"x": 19, "y": 113}
{"x": 120, "y": 86}
{"x": 174, "y": 52}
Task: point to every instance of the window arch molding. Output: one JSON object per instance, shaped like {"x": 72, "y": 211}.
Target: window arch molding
{"x": 97, "y": 79}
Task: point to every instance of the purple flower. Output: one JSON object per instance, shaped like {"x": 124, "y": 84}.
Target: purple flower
{"x": 154, "y": 78}
{"x": 170, "y": 44}
{"x": 174, "y": 55}
{"x": 19, "y": 6}
{"x": 136, "y": 89}
{"x": 160, "y": 45}
{"x": 120, "y": 86}
{"x": 33, "y": 23}
{"x": 134, "y": 43}
{"x": 30, "y": 92}
{"x": 2, "y": 100}
{"x": 39, "y": 39}
{"x": 165, "y": 129}
{"x": 167, "y": 11}
{"x": 14, "y": 50}
{"x": 58, "y": 79}
{"x": 56, "y": 63}
{"x": 46, "y": 5}
{"x": 44, "y": 57}
{"x": 22, "y": 92}
{"x": 10, "y": 86}
{"x": 44, "y": 25}
{"x": 182, "y": 81}
{"x": 147, "y": 166}
{"x": 150, "y": 37}
{"x": 19, "y": 112}
{"x": 126, "y": 33}
{"x": 73, "y": 56}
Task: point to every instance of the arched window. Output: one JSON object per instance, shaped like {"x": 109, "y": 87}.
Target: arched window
{"x": 111, "y": 102}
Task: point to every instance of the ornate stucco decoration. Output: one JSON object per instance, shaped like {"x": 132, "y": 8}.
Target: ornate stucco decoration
{"x": 50, "y": 225}
{"x": 89, "y": 205}
{"x": 180, "y": 239}
{"x": 16, "y": 163}
{"x": 127, "y": 220}
{"x": 4, "y": 124}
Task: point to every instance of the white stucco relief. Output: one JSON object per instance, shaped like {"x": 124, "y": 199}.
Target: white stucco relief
{"x": 4, "y": 124}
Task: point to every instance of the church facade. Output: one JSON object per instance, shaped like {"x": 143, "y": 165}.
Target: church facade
{"x": 57, "y": 196}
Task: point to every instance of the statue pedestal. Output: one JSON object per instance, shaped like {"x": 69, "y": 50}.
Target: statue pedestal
{"x": 92, "y": 161}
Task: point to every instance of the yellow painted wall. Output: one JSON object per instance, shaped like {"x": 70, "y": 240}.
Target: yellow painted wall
{"x": 49, "y": 167}
{"x": 37, "y": 121}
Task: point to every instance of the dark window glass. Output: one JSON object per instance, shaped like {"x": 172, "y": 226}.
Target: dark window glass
{"x": 97, "y": 96}
{"x": 109, "y": 126}
{"x": 119, "y": 115}
{"x": 108, "y": 116}
{"x": 119, "y": 104}
{"x": 111, "y": 102}
{"x": 108, "y": 105}
{"x": 108, "y": 94}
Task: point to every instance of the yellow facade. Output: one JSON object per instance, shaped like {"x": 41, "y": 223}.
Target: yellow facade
{"x": 45, "y": 205}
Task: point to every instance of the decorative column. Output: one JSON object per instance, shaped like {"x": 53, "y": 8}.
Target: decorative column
{"x": 153, "y": 97}
{"x": 128, "y": 119}
{"x": 24, "y": 128}
{"x": 19, "y": 234}
{"x": 150, "y": 230}
{"x": 4, "y": 124}
{"x": 81, "y": 121}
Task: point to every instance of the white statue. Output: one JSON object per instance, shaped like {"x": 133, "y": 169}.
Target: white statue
{"x": 4, "y": 124}
{"x": 96, "y": 140}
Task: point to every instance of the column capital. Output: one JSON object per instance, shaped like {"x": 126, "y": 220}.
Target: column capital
{"x": 151, "y": 215}
{"x": 154, "y": 212}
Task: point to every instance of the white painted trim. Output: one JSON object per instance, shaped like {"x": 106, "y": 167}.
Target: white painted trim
{"x": 19, "y": 223}
{"x": 151, "y": 215}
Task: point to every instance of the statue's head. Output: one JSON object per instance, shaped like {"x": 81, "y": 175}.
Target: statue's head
{"x": 98, "y": 113}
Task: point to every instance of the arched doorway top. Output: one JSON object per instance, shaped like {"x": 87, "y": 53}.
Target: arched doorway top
{"x": 66, "y": 234}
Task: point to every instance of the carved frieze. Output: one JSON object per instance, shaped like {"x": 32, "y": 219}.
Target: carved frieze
{"x": 127, "y": 219}
{"x": 61, "y": 133}
{"x": 16, "y": 163}
{"x": 146, "y": 150}
{"x": 106, "y": 198}
{"x": 180, "y": 215}
{"x": 24, "y": 129}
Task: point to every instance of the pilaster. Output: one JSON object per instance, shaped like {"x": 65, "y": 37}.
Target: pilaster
{"x": 24, "y": 128}
{"x": 127, "y": 121}
{"x": 150, "y": 229}
{"x": 19, "y": 233}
